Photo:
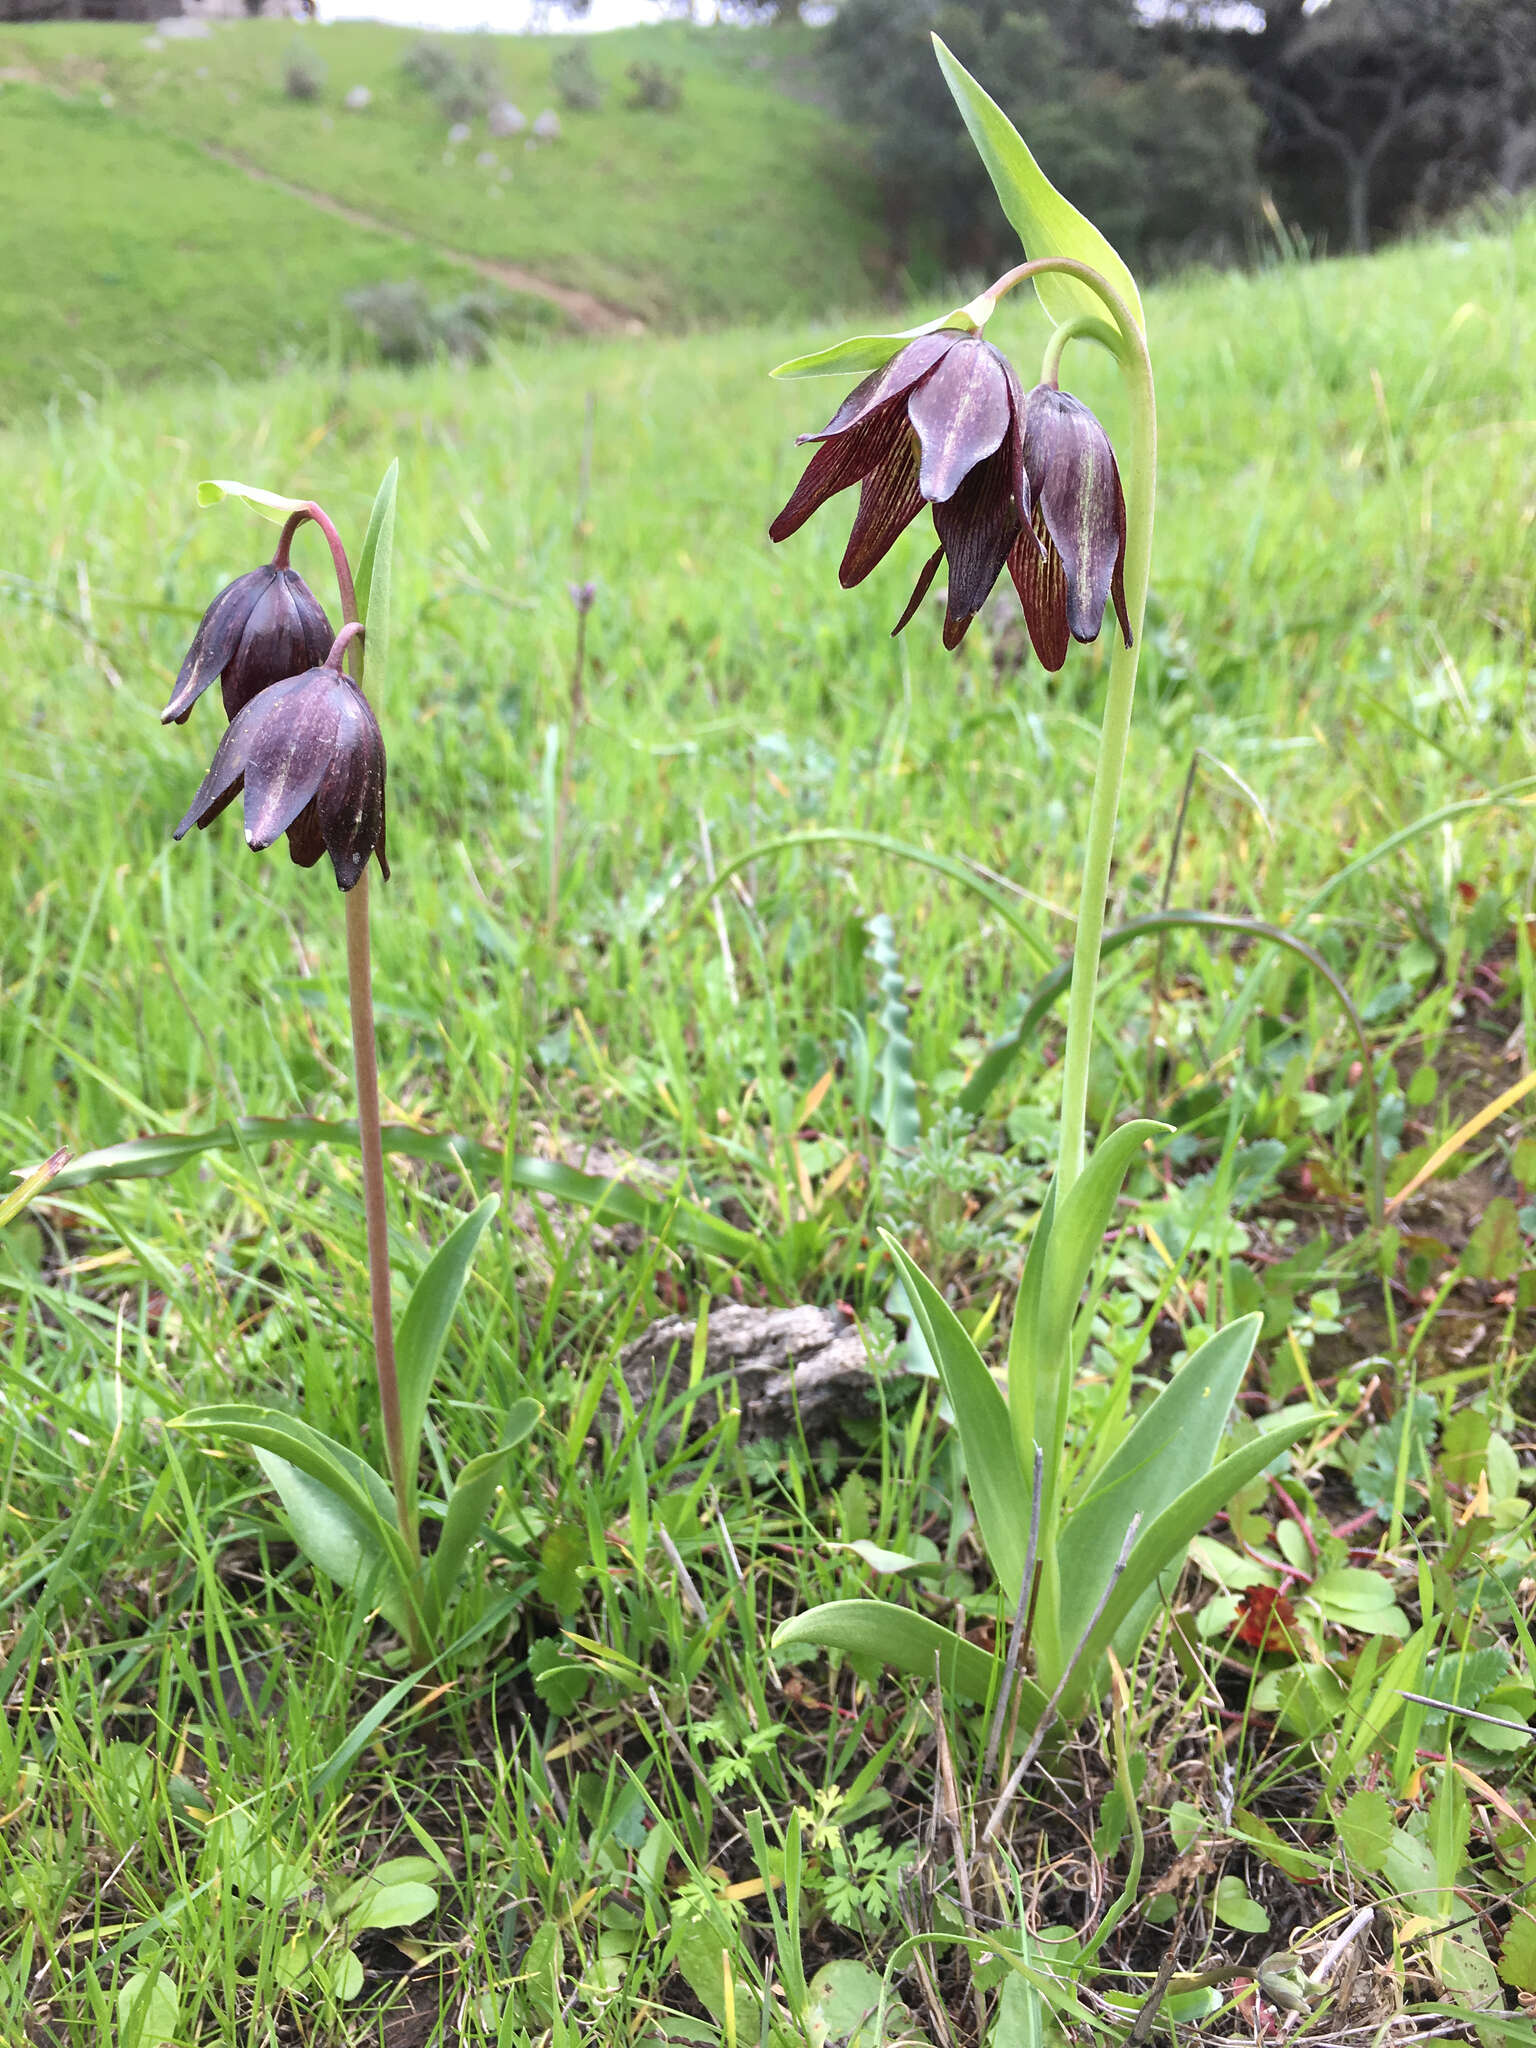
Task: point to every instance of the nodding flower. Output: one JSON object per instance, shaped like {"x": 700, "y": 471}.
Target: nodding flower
{"x": 260, "y": 629}
{"x": 1010, "y": 479}
{"x": 309, "y": 756}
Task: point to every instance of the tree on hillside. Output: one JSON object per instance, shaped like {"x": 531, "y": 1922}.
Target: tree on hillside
{"x": 1377, "y": 103}
{"x": 1159, "y": 151}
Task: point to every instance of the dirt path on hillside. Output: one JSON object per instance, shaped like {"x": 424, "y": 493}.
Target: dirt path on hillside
{"x": 592, "y": 315}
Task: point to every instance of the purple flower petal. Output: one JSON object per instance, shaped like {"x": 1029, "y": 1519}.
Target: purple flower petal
{"x": 888, "y": 503}
{"x": 1037, "y": 574}
{"x": 905, "y": 369}
{"x": 290, "y": 748}
{"x": 215, "y": 641}
{"x": 919, "y": 591}
{"x": 351, "y": 798}
{"x": 842, "y": 462}
{"x": 961, "y": 414}
{"x": 1077, "y": 488}
{"x": 978, "y": 526}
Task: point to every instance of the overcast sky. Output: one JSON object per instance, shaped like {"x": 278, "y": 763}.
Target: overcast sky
{"x": 507, "y": 17}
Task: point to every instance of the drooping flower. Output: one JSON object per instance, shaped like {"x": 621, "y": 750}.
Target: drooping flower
{"x": 1026, "y": 481}
{"x": 1072, "y": 563}
{"x": 308, "y": 753}
{"x": 265, "y": 626}
{"x": 941, "y": 424}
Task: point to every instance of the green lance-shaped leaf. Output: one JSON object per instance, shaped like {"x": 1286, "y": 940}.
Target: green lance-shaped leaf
{"x": 334, "y": 1537}
{"x": 999, "y": 1488}
{"x": 862, "y": 353}
{"x": 1022, "y": 1392}
{"x": 1172, "y": 1446}
{"x": 350, "y": 1478}
{"x": 1042, "y": 1347}
{"x": 375, "y": 577}
{"x": 424, "y": 1326}
{"x": 469, "y": 1506}
{"x": 1162, "y": 1546}
{"x": 904, "y": 1641}
{"x": 212, "y": 490}
{"x": 1045, "y": 223}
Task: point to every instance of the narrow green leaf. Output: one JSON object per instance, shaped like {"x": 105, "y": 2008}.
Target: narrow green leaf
{"x": 1045, "y": 223}
{"x": 424, "y": 1326}
{"x": 905, "y": 1642}
{"x": 999, "y": 1487}
{"x": 1022, "y": 1402}
{"x": 346, "y": 1475}
{"x": 468, "y": 1508}
{"x": 332, "y": 1535}
{"x": 667, "y": 1217}
{"x": 1165, "y": 1542}
{"x": 213, "y": 489}
{"x": 33, "y": 1185}
{"x": 1172, "y": 1446}
{"x": 862, "y": 353}
{"x": 374, "y": 580}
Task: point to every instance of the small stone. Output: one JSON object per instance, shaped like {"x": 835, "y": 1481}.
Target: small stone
{"x": 547, "y": 126}
{"x": 358, "y": 99}
{"x": 458, "y": 133}
{"x": 506, "y": 119}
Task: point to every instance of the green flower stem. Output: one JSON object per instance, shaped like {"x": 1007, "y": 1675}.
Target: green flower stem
{"x": 1140, "y": 486}
{"x": 370, "y": 1131}
{"x": 365, "y": 1060}
{"x": 1081, "y": 327}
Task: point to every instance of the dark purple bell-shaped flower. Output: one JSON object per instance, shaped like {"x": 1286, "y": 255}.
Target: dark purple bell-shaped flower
{"x": 263, "y": 627}
{"x": 941, "y": 424}
{"x": 309, "y": 756}
{"x": 1072, "y": 563}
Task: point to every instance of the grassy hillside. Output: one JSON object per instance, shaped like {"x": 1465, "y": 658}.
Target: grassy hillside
{"x": 1339, "y": 651}
{"x": 133, "y": 251}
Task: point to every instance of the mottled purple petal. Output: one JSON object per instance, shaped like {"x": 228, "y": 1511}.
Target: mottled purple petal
{"x": 904, "y": 370}
{"x": 888, "y": 503}
{"x": 919, "y": 591}
{"x": 978, "y": 526}
{"x": 215, "y": 640}
{"x": 961, "y": 414}
{"x": 290, "y": 748}
{"x": 1077, "y": 488}
{"x": 286, "y": 633}
{"x": 306, "y": 842}
{"x": 351, "y": 798}
{"x": 842, "y": 462}
{"x": 1018, "y": 470}
{"x": 1036, "y": 569}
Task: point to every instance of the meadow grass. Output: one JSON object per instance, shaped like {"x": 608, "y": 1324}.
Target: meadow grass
{"x": 1339, "y": 642}
{"x": 744, "y": 201}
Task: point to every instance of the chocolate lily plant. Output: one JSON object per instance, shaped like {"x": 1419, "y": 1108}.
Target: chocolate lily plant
{"x": 304, "y": 748}
{"x": 1083, "y": 1538}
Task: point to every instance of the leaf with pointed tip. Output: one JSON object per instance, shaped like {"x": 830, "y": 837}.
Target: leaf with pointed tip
{"x": 468, "y": 1506}
{"x": 424, "y": 1326}
{"x": 1165, "y": 1542}
{"x": 1171, "y": 1447}
{"x": 862, "y": 353}
{"x": 375, "y": 575}
{"x": 212, "y": 490}
{"x": 348, "y": 1476}
{"x": 905, "y": 1642}
{"x": 1045, "y": 222}
{"x": 998, "y": 1487}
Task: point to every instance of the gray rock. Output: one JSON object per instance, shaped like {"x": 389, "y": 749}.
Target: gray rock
{"x": 505, "y": 119}
{"x": 547, "y": 126}
{"x": 358, "y": 99}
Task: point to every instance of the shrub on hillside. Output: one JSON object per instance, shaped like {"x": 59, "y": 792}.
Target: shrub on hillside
{"x": 407, "y": 328}
{"x": 576, "y": 83}
{"x": 303, "y": 75}
{"x": 655, "y": 86}
{"x": 464, "y": 81}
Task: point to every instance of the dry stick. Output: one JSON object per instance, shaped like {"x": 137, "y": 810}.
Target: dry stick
{"x": 1010, "y": 1791}
{"x": 1335, "y": 1953}
{"x": 690, "y": 1591}
{"x": 950, "y": 1790}
{"x": 1016, "y": 1638}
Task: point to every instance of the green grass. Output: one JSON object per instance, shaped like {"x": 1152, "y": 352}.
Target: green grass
{"x": 1341, "y": 639}
{"x": 742, "y": 203}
